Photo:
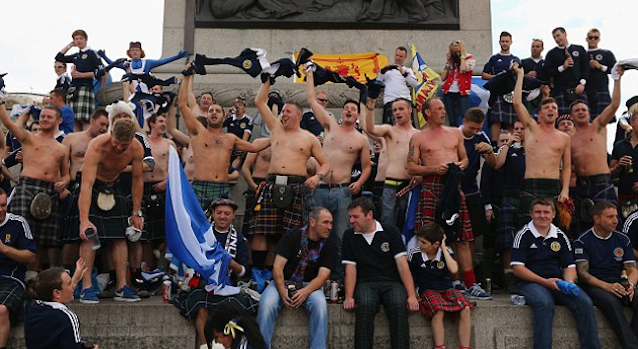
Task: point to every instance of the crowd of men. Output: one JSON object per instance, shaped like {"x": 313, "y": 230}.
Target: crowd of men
{"x": 546, "y": 205}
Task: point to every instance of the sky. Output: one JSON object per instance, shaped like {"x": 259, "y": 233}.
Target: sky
{"x": 31, "y": 41}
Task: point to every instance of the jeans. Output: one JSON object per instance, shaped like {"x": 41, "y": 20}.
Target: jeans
{"x": 336, "y": 200}
{"x": 315, "y": 305}
{"x": 542, "y": 301}
{"x": 613, "y": 309}
{"x": 368, "y": 296}
{"x": 393, "y": 209}
{"x": 456, "y": 106}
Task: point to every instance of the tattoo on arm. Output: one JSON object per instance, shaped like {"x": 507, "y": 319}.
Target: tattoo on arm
{"x": 411, "y": 153}
{"x": 582, "y": 267}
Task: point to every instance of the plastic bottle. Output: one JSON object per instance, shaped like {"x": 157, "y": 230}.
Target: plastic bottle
{"x": 517, "y": 299}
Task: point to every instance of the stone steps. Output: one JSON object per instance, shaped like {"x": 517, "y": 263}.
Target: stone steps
{"x": 154, "y": 324}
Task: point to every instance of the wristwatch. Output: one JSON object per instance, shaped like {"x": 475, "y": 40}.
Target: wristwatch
{"x": 137, "y": 213}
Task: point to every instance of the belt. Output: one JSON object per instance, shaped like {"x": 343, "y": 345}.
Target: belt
{"x": 394, "y": 182}
{"x": 332, "y": 185}
{"x": 595, "y": 179}
{"x": 291, "y": 179}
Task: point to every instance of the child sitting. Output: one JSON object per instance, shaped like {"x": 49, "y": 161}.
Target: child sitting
{"x": 432, "y": 267}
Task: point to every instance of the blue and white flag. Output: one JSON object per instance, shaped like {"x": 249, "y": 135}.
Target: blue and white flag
{"x": 189, "y": 234}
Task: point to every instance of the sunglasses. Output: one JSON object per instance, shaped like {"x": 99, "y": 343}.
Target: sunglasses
{"x": 59, "y": 66}
{"x": 322, "y": 100}
{"x": 593, "y": 37}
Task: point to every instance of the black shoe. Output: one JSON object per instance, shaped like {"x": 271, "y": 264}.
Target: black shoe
{"x": 139, "y": 288}
{"x": 109, "y": 290}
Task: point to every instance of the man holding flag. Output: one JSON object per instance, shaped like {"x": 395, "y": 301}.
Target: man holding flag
{"x": 426, "y": 84}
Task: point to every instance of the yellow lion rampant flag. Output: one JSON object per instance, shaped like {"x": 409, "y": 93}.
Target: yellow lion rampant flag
{"x": 357, "y": 65}
{"x": 428, "y": 83}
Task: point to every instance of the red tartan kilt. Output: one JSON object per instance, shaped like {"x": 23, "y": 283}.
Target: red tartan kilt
{"x": 449, "y": 301}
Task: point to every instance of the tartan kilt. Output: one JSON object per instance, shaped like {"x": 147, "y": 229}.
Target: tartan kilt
{"x": 431, "y": 190}
{"x": 507, "y": 222}
{"x": 153, "y": 204}
{"x": 501, "y": 111}
{"x": 207, "y": 191}
{"x": 535, "y": 188}
{"x": 110, "y": 224}
{"x": 45, "y": 231}
{"x": 449, "y": 301}
{"x": 270, "y": 219}
{"x": 83, "y": 102}
{"x": 563, "y": 103}
{"x": 599, "y": 103}
{"x": 71, "y": 214}
{"x": 12, "y": 295}
{"x": 199, "y": 298}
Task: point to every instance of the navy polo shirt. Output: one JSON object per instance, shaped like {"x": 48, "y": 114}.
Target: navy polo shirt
{"x": 530, "y": 64}
{"x": 545, "y": 256}
{"x": 238, "y": 126}
{"x": 514, "y": 169}
{"x": 468, "y": 184}
{"x": 630, "y": 228}
{"x": 598, "y": 79}
{"x": 430, "y": 274}
{"x": 15, "y": 232}
{"x": 85, "y": 61}
{"x": 606, "y": 256}
{"x": 374, "y": 259}
{"x": 626, "y": 180}
{"x": 499, "y": 62}
{"x": 569, "y": 77}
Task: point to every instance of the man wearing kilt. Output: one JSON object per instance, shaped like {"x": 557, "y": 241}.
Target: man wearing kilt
{"x": 45, "y": 174}
{"x": 16, "y": 249}
{"x": 87, "y": 65}
{"x": 283, "y": 198}
{"x": 501, "y": 113}
{"x": 589, "y": 155}
{"x": 600, "y": 63}
{"x": 433, "y": 152}
{"x": 568, "y": 67}
{"x": 102, "y": 205}
{"x": 546, "y": 150}
{"x": 77, "y": 143}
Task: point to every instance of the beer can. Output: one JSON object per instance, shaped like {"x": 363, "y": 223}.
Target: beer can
{"x": 166, "y": 290}
{"x": 334, "y": 292}
{"x": 488, "y": 285}
{"x": 326, "y": 289}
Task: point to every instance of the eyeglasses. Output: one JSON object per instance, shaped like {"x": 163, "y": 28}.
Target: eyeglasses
{"x": 593, "y": 37}
{"x": 324, "y": 100}
{"x": 59, "y": 66}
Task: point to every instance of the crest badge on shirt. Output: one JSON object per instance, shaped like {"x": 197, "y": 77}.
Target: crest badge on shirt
{"x": 555, "y": 246}
{"x": 242, "y": 125}
{"x": 440, "y": 265}
{"x": 599, "y": 57}
{"x": 7, "y": 238}
{"x": 618, "y": 253}
{"x": 575, "y": 53}
{"x": 85, "y": 56}
{"x": 385, "y": 247}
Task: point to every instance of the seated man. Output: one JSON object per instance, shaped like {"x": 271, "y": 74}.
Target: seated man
{"x": 377, "y": 272}
{"x": 49, "y": 323}
{"x": 303, "y": 262}
{"x": 541, "y": 257}
{"x": 199, "y": 300}
{"x": 602, "y": 256}
{"x": 17, "y": 249}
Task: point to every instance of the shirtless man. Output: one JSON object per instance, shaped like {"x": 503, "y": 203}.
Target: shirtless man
{"x": 589, "y": 155}
{"x": 212, "y": 148}
{"x": 107, "y": 212}
{"x": 397, "y": 138}
{"x": 433, "y": 152}
{"x": 45, "y": 174}
{"x": 545, "y": 149}
{"x": 254, "y": 170}
{"x": 343, "y": 146}
{"x": 283, "y": 197}
{"x": 200, "y": 108}
{"x": 77, "y": 143}
{"x": 155, "y": 188}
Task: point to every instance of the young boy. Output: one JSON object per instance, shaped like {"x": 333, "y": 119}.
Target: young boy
{"x": 432, "y": 267}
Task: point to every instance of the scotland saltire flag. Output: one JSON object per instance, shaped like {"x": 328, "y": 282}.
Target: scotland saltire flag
{"x": 427, "y": 83}
{"x": 409, "y": 235}
{"x": 189, "y": 234}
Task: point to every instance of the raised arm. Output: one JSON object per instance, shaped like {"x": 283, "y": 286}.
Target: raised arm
{"x": 171, "y": 125}
{"x": 320, "y": 113}
{"x": 370, "y": 127}
{"x": 152, "y": 63}
{"x": 261, "y": 102}
{"x": 523, "y": 114}
{"x": 192, "y": 124}
{"x": 609, "y": 112}
{"x": 17, "y": 131}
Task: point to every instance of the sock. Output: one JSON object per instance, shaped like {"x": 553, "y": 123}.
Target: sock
{"x": 464, "y": 347}
{"x": 259, "y": 259}
{"x": 469, "y": 277}
{"x": 442, "y": 346}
